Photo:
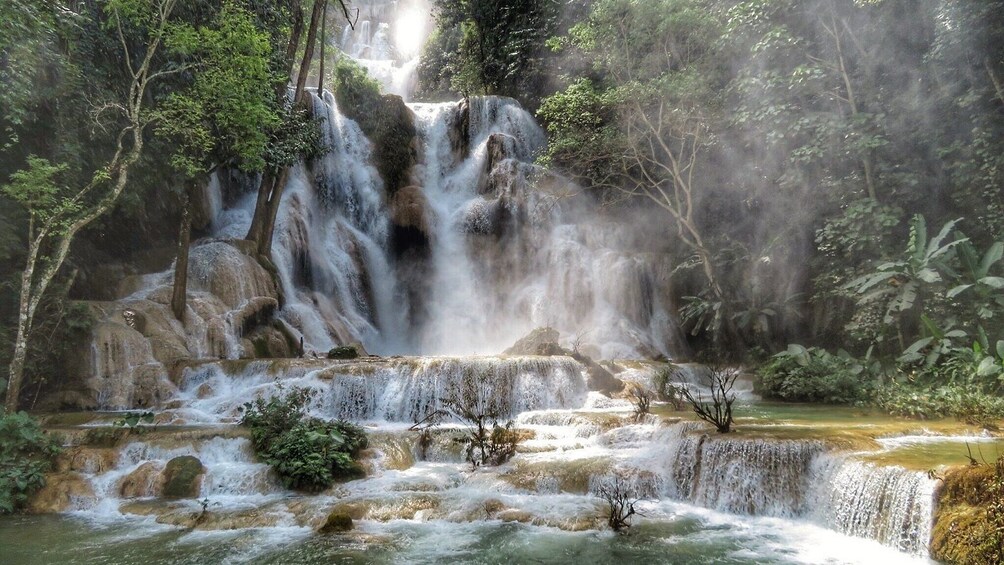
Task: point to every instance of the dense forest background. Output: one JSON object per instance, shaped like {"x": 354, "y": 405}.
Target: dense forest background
{"x": 830, "y": 171}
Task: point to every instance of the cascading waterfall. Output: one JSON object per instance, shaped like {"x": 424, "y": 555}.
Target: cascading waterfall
{"x": 510, "y": 247}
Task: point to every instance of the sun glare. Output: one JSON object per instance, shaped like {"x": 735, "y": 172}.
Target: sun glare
{"x": 409, "y": 31}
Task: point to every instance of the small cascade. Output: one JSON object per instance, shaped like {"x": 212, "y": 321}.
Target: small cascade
{"x": 408, "y": 392}
{"x": 889, "y": 504}
{"x": 395, "y": 390}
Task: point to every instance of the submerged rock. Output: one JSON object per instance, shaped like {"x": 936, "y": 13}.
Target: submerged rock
{"x": 183, "y": 477}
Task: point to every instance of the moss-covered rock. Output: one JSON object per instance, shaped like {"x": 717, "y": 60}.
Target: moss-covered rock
{"x": 541, "y": 341}
{"x": 183, "y": 477}
{"x": 336, "y": 522}
{"x": 343, "y": 352}
{"x": 969, "y": 521}
{"x": 385, "y": 119}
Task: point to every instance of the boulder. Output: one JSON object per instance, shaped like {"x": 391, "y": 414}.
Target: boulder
{"x": 147, "y": 480}
{"x": 410, "y": 221}
{"x": 336, "y": 522}
{"x": 183, "y": 477}
{"x": 62, "y": 491}
{"x": 541, "y": 341}
{"x": 343, "y": 352}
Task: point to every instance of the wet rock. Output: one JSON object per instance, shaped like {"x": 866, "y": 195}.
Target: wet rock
{"x": 410, "y": 222}
{"x": 62, "y": 492}
{"x": 183, "y": 477}
{"x": 87, "y": 460}
{"x": 336, "y": 522}
{"x": 541, "y": 341}
{"x": 598, "y": 378}
{"x": 145, "y": 481}
{"x": 343, "y": 352}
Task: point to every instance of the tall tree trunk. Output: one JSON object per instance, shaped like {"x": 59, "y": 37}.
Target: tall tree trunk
{"x": 179, "y": 295}
{"x": 272, "y": 185}
{"x": 308, "y": 51}
{"x": 866, "y": 159}
{"x": 24, "y": 319}
{"x": 261, "y": 207}
{"x": 268, "y": 227}
{"x": 324, "y": 26}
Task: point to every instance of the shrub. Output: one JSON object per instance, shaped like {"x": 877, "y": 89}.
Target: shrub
{"x": 957, "y": 400}
{"x": 813, "y": 375}
{"x": 307, "y": 453}
{"x": 666, "y": 390}
{"x": 491, "y": 437}
{"x": 718, "y": 411}
{"x": 620, "y": 497}
{"x": 26, "y": 454}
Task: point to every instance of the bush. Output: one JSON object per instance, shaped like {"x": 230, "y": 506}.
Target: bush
{"x": 491, "y": 437}
{"x": 26, "y": 454}
{"x": 958, "y": 401}
{"x": 813, "y": 375}
{"x": 307, "y": 453}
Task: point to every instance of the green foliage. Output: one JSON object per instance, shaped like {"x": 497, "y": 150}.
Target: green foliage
{"x": 959, "y": 401}
{"x": 132, "y": 420}
{"x": 26, "y": 454}
{"x": 307, "y": 453}
{"x": 489, "y": 47}
{"x": 224, "y": 117}
{"x": 813, "y": 375}
{"x": 36, "y": 188}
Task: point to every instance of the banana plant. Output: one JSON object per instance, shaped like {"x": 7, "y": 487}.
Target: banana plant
{"x": 900, "y": 282}
{"x": 931, "y": 348}
{"x": 975, "y": 278}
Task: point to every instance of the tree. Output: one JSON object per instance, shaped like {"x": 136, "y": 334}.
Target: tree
{"x": 292, "y": 140}
{"x": 719, "y": 411}
{"x": 58, "y": 213}
{"x": 648, "y": 126}
{"x": 222, "y": 118}
{"x": 484, "y": 406}
{"x": 494, "y": 47}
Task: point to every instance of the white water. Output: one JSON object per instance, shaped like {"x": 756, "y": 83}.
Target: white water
{"x": 579, "y": 441}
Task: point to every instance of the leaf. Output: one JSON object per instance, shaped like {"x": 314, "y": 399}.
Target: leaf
{"x": 993, "y": 255}
{"x": 957, "y": 290}
{"x": 988, "y": 366}
{"x": 1000, "y": 348}
{"x": 934, "y": 248}
{"x": 993, "y": 282}
{"x": 929, "y": 276}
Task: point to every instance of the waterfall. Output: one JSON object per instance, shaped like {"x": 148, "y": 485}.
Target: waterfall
{"x": 795, "y": 479}
{"x": 890, "y": 504}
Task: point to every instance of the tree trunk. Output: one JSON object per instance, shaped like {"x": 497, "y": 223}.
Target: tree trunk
{"x": 179, "y": 296}
{"x": 16, "y": 369}
{"x": 268, "y": 227}
{"x": 308, "y": 51}
{"x": 320, "y": 73}
{"x": 261, "y": 207}
{"x": 271, "y": 188}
